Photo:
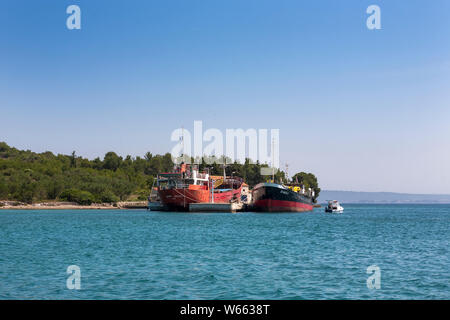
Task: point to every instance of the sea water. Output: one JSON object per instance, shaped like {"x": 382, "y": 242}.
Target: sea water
{"x": 136, "y": 254}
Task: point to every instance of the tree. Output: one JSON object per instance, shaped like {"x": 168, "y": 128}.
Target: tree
{"x": 73, "y": 160}
{"x": 97, "y": 163}
{"x": 111, "y": 161}
{"x": 78, "y": 196}
{"x": 148, "y": 156}
{"x": 309, "y": 180}
{"x": 4, "y": 147}
{"x": 28, "y": 176}
{"x": 108, "y": 197}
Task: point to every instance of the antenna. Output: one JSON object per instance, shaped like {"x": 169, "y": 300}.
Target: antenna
{"x": 273, "y": 167}
{"x": 287, "y": 174}
{"x": 224, "y": 172}
{"x": 182, "y": 141}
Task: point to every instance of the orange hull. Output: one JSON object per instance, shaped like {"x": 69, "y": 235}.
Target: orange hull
{"x": 179, "y": 199}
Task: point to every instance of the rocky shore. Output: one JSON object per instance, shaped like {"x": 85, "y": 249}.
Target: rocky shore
{"x": 71, "y": 205}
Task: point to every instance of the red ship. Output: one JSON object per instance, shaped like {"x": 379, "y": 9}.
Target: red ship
{"x": 184, "y": 186}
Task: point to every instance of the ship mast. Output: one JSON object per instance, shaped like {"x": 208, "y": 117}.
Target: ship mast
{"x": 287, "y": 174}
{"x": 182, "y": 161}
{"x": 273, "y": 167}
{"x": 224, "y": 172}
{"x": 182, "y": 143}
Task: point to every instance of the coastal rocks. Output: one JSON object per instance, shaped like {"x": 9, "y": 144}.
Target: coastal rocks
{"x": 71, "y": 205}
{"x": 52, "y": 205}
{"x": 11, "y": 203}
{"x": 132, "y": 205}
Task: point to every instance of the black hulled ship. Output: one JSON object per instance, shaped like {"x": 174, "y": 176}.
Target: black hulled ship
{"x": 273, "y": 197}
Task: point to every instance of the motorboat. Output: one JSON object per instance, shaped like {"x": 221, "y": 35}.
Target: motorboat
{"x": 334, "y": 207}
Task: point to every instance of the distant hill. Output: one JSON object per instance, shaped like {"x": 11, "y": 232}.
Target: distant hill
{"x": 381, "y": 197}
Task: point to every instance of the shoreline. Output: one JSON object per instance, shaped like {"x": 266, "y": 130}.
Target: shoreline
{"x": 13, "y": 205}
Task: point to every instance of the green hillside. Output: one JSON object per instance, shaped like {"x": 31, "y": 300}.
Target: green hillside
{"x": 30, "y": 177}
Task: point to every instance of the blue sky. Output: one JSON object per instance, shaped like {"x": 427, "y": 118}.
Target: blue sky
{"x": 363, "y": 109}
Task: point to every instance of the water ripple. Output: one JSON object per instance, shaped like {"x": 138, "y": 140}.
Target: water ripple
{"x": 140, "y": 255}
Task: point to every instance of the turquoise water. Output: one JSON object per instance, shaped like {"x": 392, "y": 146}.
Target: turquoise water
{"x": 153, "y": 255}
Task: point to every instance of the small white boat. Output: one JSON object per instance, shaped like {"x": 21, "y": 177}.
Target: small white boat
{"x": 334, "y": 207}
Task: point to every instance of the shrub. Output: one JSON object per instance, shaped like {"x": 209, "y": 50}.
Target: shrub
{"x": 108, "y": 197}
{"x": 78, "y": 196}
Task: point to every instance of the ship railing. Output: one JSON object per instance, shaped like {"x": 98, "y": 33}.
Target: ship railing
{"x": 174, "y": 186}
{"x": 182, "y": 186}
{"x": 201, "y": 175}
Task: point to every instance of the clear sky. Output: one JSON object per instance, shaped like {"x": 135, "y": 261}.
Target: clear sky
{"x": 363, "y": 109}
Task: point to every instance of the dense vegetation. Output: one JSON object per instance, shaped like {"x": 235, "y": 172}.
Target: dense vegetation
{"x": 309, "y": 181}
{"x": 28, "y": 177}
{"x": 31, "y": 177}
